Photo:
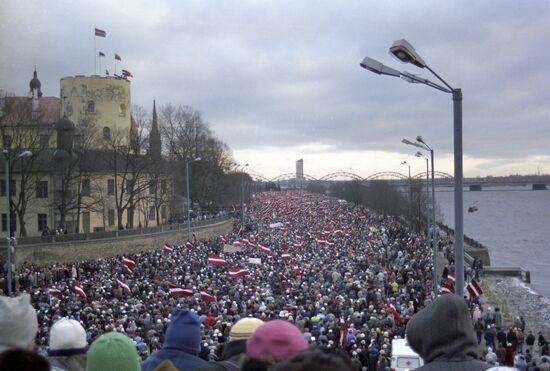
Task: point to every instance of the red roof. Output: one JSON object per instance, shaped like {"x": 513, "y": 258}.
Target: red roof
{"x": 17, "y": 111}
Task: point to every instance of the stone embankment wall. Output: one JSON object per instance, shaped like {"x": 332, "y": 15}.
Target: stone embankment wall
{"x": 66, "y": 252}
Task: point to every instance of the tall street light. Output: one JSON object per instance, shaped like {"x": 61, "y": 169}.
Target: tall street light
{"x": 419, "y": 154}
{"x": 404, "y": 52}
{"x": 242, "y": 196}
{"x": 187, "y": 161}
{"x": 410, "y": 186}
{"x": 9, "y": 237}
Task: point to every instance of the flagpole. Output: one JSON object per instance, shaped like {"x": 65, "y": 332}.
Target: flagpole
{"x": 95, "y": 53}
{"x": 115, "y": 65}
{"x": 99, "y": 66}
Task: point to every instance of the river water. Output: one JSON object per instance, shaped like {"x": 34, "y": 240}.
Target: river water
{"x": 514, "y": 224}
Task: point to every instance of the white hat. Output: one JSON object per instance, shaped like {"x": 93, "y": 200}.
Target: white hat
{"x": 18, "y": 322}
{"x": 67, "y": 337}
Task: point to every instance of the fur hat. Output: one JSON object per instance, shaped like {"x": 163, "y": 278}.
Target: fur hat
{"x": 113, "y": 351}
{"x": 67, "y": 337}
{"x": 275, "y": 340}
{"x": 18, "y": 322}
{"x": 184, "y": 332}
{"x": 244, "y": 328}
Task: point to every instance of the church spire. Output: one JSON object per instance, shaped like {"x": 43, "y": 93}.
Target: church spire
{"x": 155, "y": 147}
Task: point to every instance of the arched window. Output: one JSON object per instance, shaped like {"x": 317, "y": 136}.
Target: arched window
{"x": 107, "y": 133}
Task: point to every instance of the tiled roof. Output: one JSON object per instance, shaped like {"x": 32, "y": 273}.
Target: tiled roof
{"x": 17, "y": 111}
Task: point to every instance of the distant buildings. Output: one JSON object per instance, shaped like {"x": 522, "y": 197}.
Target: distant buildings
{"x": 91, "y": 169}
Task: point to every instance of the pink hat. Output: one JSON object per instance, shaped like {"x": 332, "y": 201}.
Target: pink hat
{"x": 277, "y": 340}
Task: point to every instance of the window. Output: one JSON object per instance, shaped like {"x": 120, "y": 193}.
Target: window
{"x": 152, "y": 213}
{"x": 111, "y": 217}
{"x": 13, "y": 222}
{"x": 122, "y": 111}
{"x": 42, "y": 189}
{"x": 110, "y": 187}
{"x": 163, "y": 186}
{"x": 85, "y": 191}
{"x": 163, "y": 211}
{"x": 6, "y": 140}
{"x": 152, "y": 187}
{"x": 91, "y": 106}
{"x": 42, "y": 222}
{"x": 13, "y": 191}
{"x": 106, "y": 133}
{"x": 44, "y": 140}
{"x": 129, "y": 185}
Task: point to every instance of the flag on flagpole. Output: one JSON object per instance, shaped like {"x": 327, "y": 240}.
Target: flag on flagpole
{"x": 127, "y": 269}
{"x": 179, "y": 291}
{"x": 126, "y": 73}
{"x": 216, "y": 259}
{"x": 473, "y": 289}
{"x": 124, "y": 286}
{"x": 101, "y": 54}
{"x": 117, "y": 57}
{"x": 238, "y": 272}
{"x": 286, "y": 256}
{"x": 129, "y": 262}
{"x": 79, "y": 290}
{"x": 168, "y": 248}
{"x": 100, "y": 33}
{"x": 55, "y": 292}
{"x": 206, "y": 296}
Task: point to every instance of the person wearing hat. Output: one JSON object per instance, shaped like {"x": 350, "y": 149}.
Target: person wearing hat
{"x": 182, "y": 343}
{"x": 68, "y": 345}
{"x": 18, "y": 322}
{"x": 442, "y": 334}
{"x": 112, "y": 351}
{"x": 235, "y": 350}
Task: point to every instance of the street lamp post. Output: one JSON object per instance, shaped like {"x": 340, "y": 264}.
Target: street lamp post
{"x": 9, "y": 238}
{"x": 242, "y": 196}
{"x": 410, "y": 187}
{"x": 419, "y": 154}
{"x": 187, "y": 161}
{"x": 404, "y": 52}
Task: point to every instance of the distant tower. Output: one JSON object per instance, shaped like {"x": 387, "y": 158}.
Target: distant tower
{"x": 155, "y": 148}
{"x": 34, "y": 94}
{"x": 300, "y": 169}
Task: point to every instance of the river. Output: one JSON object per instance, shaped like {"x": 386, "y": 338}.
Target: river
{"x": 513, "y": 222}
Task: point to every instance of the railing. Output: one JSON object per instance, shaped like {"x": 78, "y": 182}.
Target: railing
{"x": 116, "y": 234}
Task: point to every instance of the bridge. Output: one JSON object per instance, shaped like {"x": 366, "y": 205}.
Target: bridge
{"x": 442, "y": 179}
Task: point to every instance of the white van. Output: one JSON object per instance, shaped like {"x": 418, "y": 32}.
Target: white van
{"x": 403, "y": 358}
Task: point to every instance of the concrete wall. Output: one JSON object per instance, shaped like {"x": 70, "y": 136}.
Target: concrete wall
{"x": 64, "y": 252}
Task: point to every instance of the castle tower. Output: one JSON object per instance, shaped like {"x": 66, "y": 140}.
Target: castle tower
{"x": 35, "y": 93}
{"x": 155, "y": 147}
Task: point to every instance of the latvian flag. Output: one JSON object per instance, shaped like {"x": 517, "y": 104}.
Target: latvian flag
{"x": 284, "y": 246}
{"x": 178, "y": 291}
{"x": 298, "y": 237}
{"x": 281, "y": 276}
{"x": 296, "y": 269}
{"x": 189, "y": 244}
{"x": 79, "y": 291}
{"x": 222, "y": 238}
{"x": 128, "y": 262}
{"x": 206, "y": 296}
{"x": 127, "y": 269}
{"x": 168, "y": 248}
{"x": 286, "y": 256}
{"x": 297, "y": 244}
{"x": 237, "y": 243}
{"x": 473, "y": 289}
{"x": 329, "y": 243}
{"x": 320, "y": 240}
{"x": 216, "y": 259}
{"x": 100, "y": 33}
{"x": 338, "y": 232}
{"x": 447, "y": 288}
{"x": 55, "y": 292}
{"x": 238, "y": 272}
{"x": 124, "y": 286}
{"x": 264, "y": 248}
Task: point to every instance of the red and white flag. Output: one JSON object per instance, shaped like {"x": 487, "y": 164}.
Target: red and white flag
{"x": 168, "y": 248}
{"x": 296, "y": 269}
{"x": 216, "y": 259}
{"x": 473, "y": 289}
{"x": 297, "y": 244}
{"x": 238, "y": 272}
{"x": 124, "y": 286}
{"x": 100, "y": 33}
{"x": 126, "y": 73}
{"x": 177, "y": 292}
{"x": 284, "y": 246}
{"x": 55, "y": 292}
{"x": 451, "y": 277}
{"x": 264, "y": 248}
{"x": 338, "y": 232}
{"x": 237, "y": 243}
{"x": 206, "y": 296}
{"x": 79, "y": 291}
{"x": 329, "y": 243}
{"x": 222, "y": 238}
{"x": 286, "y": 256}
{"x": 127, "y": 269}
{"x": 189, "y": 244}
{"x": 298, "y": 237}
{"x": 128, "y": 262}
{"x": 447, "y": 288}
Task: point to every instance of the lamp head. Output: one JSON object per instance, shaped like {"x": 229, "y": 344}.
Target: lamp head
{"x": 407, "y": 141}
{"x": 419, "y": 154}
{"x": 378, "y": 68}
{"x": 404, "y": 163}
{"x": 404, "y": 52}
{"x": 419, "y": 139}
{"x": 25, "y": 154}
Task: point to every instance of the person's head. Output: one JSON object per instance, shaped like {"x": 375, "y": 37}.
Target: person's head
{"x": 244, "y": 328}
{"x": 452, "y": 335}
{"x": 272, "y": 342}
{"x": 184, "y": 332}
{"x": 316, "y": 359}
{"x": 18, "y": 322}
{"x": 23, "y": 359}
{"x": 113, "y": 351}
{"x": 67, "y": 337}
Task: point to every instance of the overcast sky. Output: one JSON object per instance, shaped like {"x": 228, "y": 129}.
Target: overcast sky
{"x": 280, "y": 80}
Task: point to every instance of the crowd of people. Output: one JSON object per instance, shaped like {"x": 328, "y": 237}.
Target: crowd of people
{"x": 345, "y": 280}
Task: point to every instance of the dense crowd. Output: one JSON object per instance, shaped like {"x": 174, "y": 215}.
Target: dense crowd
{"x": 347, "y": 279}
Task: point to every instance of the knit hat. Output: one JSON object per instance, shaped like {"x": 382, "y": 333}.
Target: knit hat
{"x": 113, "y": 351}
{"x": 275, "y": 340}
{"x": 244, "y": 328}
{"x": 184, "y": 332}
{"x": 67, "y": 337}
{"x": 18, "y": 322}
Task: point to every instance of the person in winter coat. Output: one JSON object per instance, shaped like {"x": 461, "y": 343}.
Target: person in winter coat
{"x": 442, "y": 334}
{"x": 181, "y": 343}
